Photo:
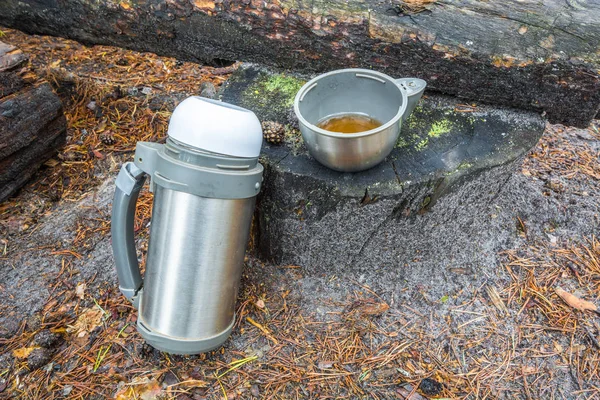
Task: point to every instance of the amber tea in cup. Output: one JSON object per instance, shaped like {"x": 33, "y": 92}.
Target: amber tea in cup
{"x": 349, "y": 123}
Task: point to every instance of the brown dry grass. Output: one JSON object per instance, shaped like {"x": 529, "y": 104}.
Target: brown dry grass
{"x": 559, "y": 155}
{"x": 535, "y": 277}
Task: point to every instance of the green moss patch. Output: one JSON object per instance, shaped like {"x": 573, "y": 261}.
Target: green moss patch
{"x": 438, "y": 128}
{"x": 279, "y": 86}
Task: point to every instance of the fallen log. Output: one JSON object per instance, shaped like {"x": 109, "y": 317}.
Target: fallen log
{"x": 518, "y": 53}
{"x": 32, "y": 123}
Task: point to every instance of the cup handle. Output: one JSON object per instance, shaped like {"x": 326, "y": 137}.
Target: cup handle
{"x": 414, "y": 88}
{"x": 128, "y": 185}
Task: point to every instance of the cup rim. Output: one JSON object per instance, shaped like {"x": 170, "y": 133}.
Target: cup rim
{"x": 377, "y": 74}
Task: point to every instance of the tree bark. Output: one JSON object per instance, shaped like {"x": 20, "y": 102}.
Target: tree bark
{"x": 520, "y": 53}
{"x": 32, "y": 123}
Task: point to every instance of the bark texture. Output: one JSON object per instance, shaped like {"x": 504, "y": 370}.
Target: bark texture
{"x": 32, "y": 123}
{"x": 535, "y": 55}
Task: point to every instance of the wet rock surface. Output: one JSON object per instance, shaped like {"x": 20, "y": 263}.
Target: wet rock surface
{"x": 38, "y": 358}
{"x": 9, "y": 328}
{"x": 45, "y": 338}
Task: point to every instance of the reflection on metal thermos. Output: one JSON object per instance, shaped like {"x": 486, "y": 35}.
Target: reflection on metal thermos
{"x": 205, "y": 179}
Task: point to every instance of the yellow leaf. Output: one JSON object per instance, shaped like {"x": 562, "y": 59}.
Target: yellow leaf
{"x": 23, "y": 352}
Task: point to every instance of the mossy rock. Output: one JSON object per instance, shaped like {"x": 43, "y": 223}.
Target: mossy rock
{"x": 270, "y": 95}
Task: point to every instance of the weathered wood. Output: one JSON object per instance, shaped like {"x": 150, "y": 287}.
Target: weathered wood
{"x": 449, "y": 165}
{"x": 522, "y": 53}
{"x": 32, "y": 123}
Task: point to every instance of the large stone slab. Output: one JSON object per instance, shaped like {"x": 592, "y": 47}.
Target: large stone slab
{"x": 427, "y": 200}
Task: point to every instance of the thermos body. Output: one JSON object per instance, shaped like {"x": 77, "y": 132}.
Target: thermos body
{"x": 194, "y": 263}
{"x": 205, "y": 179}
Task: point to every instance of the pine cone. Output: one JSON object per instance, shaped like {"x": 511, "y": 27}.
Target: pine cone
{"x": 107, "y": 138}
{"x": 274, "y": 132}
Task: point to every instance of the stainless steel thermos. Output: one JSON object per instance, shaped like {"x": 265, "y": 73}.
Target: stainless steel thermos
{"x": 205, "y": 179}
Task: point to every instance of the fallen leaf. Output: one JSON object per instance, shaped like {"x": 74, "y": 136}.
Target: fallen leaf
{"x": 92, "y": 105}
{"x": 325, "y": 364}
{"x": 373, "y": 309}
{"x": 81, "y": 339}
{"x": 67, "y": 389}
{"x": 98, "y": 155}
{"x": 496, "y": 300}
{"x": 260, "y": 304}
{"x": 80, "y": 290}
{"x": 140, "y": 388}
{"x": 578, "y": 347}
{"x": 575, "y": 301}
{"x": 23, "y": 352}
{"x": 29, "y": 77}
{"x": 87, "y": 321}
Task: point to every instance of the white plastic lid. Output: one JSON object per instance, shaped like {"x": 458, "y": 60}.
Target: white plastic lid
{"x": 217, "y": 127}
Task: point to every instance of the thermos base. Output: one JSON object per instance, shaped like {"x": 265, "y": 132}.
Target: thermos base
{"x": 177, "y": 345}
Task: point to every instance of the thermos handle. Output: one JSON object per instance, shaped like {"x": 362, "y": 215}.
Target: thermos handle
{"x": 414, "y": 89}
{"x": 129, "y": 182}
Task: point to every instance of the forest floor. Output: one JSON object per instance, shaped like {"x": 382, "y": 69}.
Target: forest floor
{"x": 66, "y": 332}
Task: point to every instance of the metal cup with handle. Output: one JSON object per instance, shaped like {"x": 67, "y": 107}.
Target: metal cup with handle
{"x": 205, "y": 179}
{"x": 355, "y": 91}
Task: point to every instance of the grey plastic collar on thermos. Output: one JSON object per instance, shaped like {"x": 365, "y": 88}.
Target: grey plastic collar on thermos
{"x": 186, "y": 169}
